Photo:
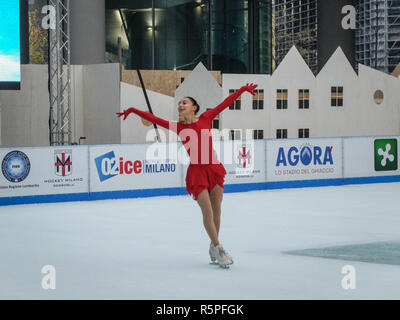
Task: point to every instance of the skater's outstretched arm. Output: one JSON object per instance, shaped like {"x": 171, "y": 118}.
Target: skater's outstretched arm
{"x": 212, "y": 113}
{"x": 170, "y": 125}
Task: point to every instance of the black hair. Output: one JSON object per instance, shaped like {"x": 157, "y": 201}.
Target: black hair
{"x": 195, "y": 104}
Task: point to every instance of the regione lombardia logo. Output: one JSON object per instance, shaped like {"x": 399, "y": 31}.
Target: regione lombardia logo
{"x": 385, "y": 154}
{"x": 16, "y": 166}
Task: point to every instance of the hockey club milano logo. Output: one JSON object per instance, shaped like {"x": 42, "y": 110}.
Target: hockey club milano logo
{"x": 244, "y": 157}
{"x": 244, "y": 160}
{"x": 63, "y": 162}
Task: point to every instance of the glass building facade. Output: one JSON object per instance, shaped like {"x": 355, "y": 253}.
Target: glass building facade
{"x": 38, "y": 36}
{"x": 233, "y": 36}
{"x": 378, "y": 34}
{"x": 295, "y": 23}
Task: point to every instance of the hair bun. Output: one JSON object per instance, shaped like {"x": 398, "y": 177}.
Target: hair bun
{"x": 195, "y": 104}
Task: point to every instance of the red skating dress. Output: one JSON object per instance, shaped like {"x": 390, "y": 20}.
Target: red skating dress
{"x": 205, "y": 171}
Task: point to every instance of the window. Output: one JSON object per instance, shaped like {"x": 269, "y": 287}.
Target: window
{"x": 258, "y": 100}
{"x": 337, "y": 96}
{"x": 182, "y": 79}
{"x": 281, "y": 98}
{"x": 281, "y": 134}
{"x": 215, "y": 122}
{"x": 304, "y": 99}
{"x": 304, "y": 133}
{"x": 237, "y": 104}
{"x": 235, "y": 134}
{"x": 378, "y": 96}
{"x": 258, "y": 134}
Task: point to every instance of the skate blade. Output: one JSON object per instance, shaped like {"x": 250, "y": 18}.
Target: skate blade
{"x": 215, "y": 263}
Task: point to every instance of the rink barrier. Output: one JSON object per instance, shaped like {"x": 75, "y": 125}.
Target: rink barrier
{"x": 141, "y": 193}
{"x": 369, "y": 180}
{"x": 53, "y": 198}
{"x": 228, "y": 188}
{"x": 352, "y": 164}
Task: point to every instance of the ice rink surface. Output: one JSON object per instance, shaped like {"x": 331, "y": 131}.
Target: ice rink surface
{"x": 157, "y": 248}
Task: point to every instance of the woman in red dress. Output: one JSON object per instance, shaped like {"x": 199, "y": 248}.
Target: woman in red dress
{"x": 205, "y": 174}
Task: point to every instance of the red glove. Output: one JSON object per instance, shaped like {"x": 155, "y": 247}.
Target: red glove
{"x": 125, "y": 113}
{"x": 249, "y": 88}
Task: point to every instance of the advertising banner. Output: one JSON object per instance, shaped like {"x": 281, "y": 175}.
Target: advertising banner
{"x": 371, "y": 156}
{"x": 10, "y": 51}
{"x": 79, "y": 170}
{"x": 244, "y": 161}
{"x": 304, "y": 159}
{"x": 43, "y": 171}
{"x": 134, "y": 166}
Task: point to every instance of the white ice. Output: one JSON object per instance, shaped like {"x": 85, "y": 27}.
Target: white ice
{"x": 156, "y": 248}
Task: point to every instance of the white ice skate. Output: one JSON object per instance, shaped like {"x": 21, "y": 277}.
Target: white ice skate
{"x": 218, "y": 253}
{"x": 213, "y": 257}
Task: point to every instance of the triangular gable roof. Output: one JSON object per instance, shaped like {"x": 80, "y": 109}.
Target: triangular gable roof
{"x": 202, "y": 86}
{"x": 338, "y": 58}
{"x": 396, "y": 71}
{"x": 293, "y": 58}
{"x": 377, "y": 73}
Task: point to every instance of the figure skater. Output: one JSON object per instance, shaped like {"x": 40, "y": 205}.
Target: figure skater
{"x": 205, "y": 174}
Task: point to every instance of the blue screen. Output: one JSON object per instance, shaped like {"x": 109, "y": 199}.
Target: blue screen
{"x": 10, "y": 50}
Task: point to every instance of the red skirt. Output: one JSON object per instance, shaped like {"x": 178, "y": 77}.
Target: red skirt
{"x": 205, "y": 176}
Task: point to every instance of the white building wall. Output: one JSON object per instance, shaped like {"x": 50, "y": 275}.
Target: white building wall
{"x": 337, "y": 121}
{"x": 246, "y": 117}
{"x": 360, "y": 115}
{"x": 378, "y": 119}
{"x": 77, "y": 102}
{"x": 132, "y": 129}
{"x": 97, "y": 95}
{"x": 201, "y": 86}
{"x": 94, "y": 102}
{"x": 101, "y": 102}
{"x": 293, "y": 74}
{"x": 25, "y": 112}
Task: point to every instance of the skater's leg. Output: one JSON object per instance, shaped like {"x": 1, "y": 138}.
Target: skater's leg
{"x": 216, "y": 198}
{"x": 204, "y": 202}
